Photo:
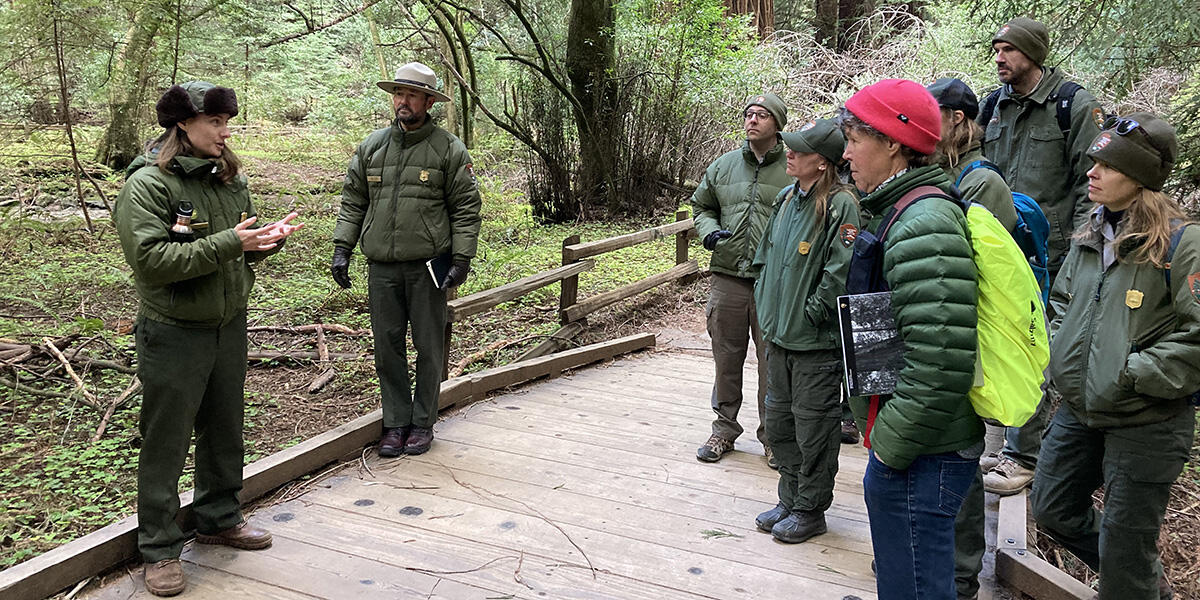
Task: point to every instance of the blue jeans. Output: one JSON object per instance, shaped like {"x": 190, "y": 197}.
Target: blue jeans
{"x": 912, "y": 523}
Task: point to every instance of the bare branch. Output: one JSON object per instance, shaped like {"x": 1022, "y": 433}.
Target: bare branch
{"x": 313, "y": 29}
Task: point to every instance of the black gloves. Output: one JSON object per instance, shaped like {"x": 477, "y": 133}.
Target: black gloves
{"x": 340, "y": 269}
{"x": 457, "y": 274}
{"x": 710, "y": 240}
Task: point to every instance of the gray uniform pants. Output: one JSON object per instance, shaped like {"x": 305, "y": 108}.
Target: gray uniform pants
{"x": 402, "y": 293}
{"x": 193, "y": 379}
{"x": 804, "y": 417}
{"x": 1136, "y": 465}
{"x": 732, "y": 321}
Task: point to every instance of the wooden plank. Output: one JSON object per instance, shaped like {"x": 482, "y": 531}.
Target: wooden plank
{"x": 575, "y": 252}
{"x": 681, "y": 239}
{"x": 569, "y": 290}
{"x": 202, "y": 582}
{"x": 537, "y": 537}
{"x": 1011, "y": 522}
{"x": 94, "y": 553}
{"x": 460, "y": 308}
{"x": 557, "y": 341}
{"x": 1024, "y": 572}
{"x": 459, "y": 389}
{"x": 599, "y": 301}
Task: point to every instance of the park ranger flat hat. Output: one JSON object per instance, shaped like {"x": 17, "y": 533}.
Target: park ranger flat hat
{"x": 415, "y": 76}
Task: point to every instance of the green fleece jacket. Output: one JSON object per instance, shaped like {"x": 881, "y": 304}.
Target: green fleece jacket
{"x": 928, "y": 265}
{"x": 1024, "y": 139}
{"x": 737, "y": 193}
{"x": 1126, "y": 349}
{"x": 410, "y": 195}
{"x": 803, "y": 264}
{"x": 202, "y": 283}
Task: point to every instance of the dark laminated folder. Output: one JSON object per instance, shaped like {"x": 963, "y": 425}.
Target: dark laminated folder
{"x": 438, "y": 267}
{"x": 872, "y": 351}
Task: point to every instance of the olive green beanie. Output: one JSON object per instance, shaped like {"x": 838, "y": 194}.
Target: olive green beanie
{"x": 1028, "y": 36}
{"x": 774, "y": 105}
{"x": 1141, "y": 145}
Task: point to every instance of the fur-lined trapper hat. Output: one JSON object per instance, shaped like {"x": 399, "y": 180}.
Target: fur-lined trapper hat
{"x": 184, "y": 101}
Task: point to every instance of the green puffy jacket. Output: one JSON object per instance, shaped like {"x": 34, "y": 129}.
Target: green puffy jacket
{"x": 409, "y": 195}
{"x": 202, "y": 283}
{"x": 737, "y": 194}
{"x": 1023, "y": 137}
{"x": 803, "y": 265}
{"x": 984, "y": 186}
{"x": 928, "y": 264}
{"x": 1125, "y": 350}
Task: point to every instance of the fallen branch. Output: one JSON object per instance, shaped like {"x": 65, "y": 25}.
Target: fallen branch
{"x": 20, "y": 387}
{"x": 466, "y": 361}
{"x": 310, "y": 328}
{"x": 321, "y": 380}
{"x": 134, "y": 387}
{"x": 268, "y": 355}
{"x": 88, "y": 398}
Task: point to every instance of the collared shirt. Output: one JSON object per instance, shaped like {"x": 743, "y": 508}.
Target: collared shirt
{"x": 1101, "y": 225}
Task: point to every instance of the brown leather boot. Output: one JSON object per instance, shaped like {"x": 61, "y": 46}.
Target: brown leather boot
{"x": 391, "y": 444}
{"x": 165, "y": 577}
{"x": 419, "y": 440}
{"x": 243, "y": 535}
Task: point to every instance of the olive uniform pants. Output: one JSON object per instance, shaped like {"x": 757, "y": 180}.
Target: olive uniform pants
{"x": 732, "y": 321}
{"x": 401, "y": 293}
{"x": 193, "y": 379}
{"x": 1136, "y": 465}
{"x": 804, "y": 424}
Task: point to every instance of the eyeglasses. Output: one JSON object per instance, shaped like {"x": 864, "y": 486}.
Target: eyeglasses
{"x": 761, "y": 115}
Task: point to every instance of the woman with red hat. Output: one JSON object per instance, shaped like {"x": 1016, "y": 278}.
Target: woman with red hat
{"x": 924, "y": 438}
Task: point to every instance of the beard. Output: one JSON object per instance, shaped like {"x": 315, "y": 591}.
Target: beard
{"x": 409, "y": 117}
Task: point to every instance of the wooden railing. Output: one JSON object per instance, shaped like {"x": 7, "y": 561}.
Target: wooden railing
{"x": 575, "y": 260}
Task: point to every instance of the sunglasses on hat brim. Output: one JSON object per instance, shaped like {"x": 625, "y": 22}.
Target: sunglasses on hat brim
{"x": 1124, "y": 126}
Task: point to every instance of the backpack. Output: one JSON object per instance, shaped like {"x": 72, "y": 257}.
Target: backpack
{"x": 1013, "y": 349}
{"x": 1062, "y": 105}
{"x": 1032, "y": 231}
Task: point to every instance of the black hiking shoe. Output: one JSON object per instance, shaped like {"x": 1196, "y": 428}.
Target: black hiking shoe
{"x": 714, "y": 448}
{"x": 799, "y": 526}
{"x": 768, "y": 519}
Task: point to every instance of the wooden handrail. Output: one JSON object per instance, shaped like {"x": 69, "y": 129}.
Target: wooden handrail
{"x": 460, "y": 308}
{"x": 599, "y": 301}
{"x": 575, "y": 252}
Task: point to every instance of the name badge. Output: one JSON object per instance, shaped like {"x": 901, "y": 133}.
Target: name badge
{"x": 804, "y": 247}
{"x": 1133, "y": 298}
{"x": 424, "y": 176}
{"x": 374, "y": 178}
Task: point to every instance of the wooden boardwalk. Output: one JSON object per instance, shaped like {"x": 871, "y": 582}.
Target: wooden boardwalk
{"x": 584, "y": 486}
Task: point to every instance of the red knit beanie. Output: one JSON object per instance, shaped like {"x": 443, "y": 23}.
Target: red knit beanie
{"x": 902, "y": 110}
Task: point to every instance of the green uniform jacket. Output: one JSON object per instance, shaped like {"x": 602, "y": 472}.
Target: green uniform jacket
{"x": 410, "y": 195}
{"x": 803, "y": 265}
{"x": 1126, "y": 350}
{"x": 202, "y": 283}
{"x": 1024, "y": 139}
{"x": 928, "y": 264}
{"x": 737, "y": 194}
{"x": 984, "y": 186}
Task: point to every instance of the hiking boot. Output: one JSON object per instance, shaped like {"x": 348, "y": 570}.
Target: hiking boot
{"x": 989, "y": 461}
{"x": 165, "y": 577}
{"x": 1165, "y": 591}
{"x": 799, "y": 526}
{"x": 714, "y": 448}
{"x": 1007, "y": 478}
{"x": 767, "y": 520}
{"x": 243, "y": 535}
{"x": 849, "y": 432}
{"x": 419, "y": 440}
{"x": 771, "y": 460}
{"x": 391, "y": 444}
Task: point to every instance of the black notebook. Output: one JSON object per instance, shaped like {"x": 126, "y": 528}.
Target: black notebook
{"x": 872, "y": 352}
{"x": 438, "y": 267}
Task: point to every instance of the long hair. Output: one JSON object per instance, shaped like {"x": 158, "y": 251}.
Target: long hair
{"x": 1146, "y": 226}
{"x": 957, "y": 141}
{"x": 828, "y": 184}
{"x": 849, "y": 121}
{"x": 174, "y": 142}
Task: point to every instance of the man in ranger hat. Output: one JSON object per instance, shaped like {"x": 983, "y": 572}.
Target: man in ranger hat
{"x": 1038, "y": 127}
{"x": 731, "y": 207}
{"x": 410, "y": 201}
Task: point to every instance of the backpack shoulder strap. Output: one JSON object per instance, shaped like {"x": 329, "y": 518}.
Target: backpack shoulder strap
{"x": 1062, "y": 104}
{"x": 988, "y": 107}
{"x": 1176, "y": 236}
{"x": 979, "y": 164}
{"x": 908, "y": 199}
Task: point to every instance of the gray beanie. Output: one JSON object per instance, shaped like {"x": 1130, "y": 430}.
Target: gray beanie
{"x": 1141, "y": 145}
{"x": 1029, "y": 36}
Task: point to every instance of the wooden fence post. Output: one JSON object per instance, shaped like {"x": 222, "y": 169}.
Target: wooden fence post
{"x": 570, "y": 286}
{"x": 681, "y": 239}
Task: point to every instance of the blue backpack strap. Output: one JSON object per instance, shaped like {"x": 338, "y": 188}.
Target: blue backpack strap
{"x": 1176, "y": 235}
{"x": 1062, "y": 105}
{"x": 982, "y": 163}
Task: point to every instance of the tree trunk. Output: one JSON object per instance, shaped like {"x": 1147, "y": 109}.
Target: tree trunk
{"x": 129, "y": 86}
{"x": 762, "y": 14}
{"x": 590, "y": 59}
{"x": 835, "y": 17}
